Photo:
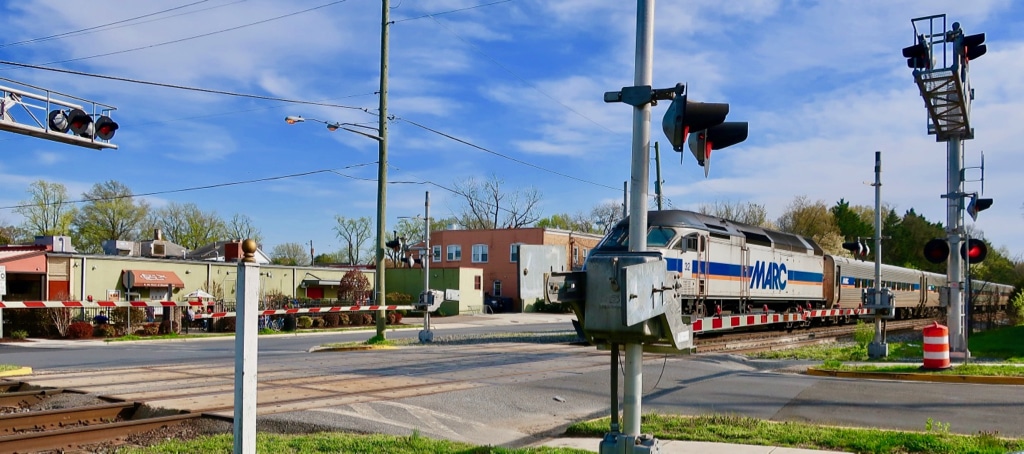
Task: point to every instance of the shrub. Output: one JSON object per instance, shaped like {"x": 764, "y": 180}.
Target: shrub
{"x": 398, "y": 317}
{"x": 35, "y": 321}
{"x": 318, "y": 322}
{"x": 105, "y": 330}
{"x": 365, "y": 318}
{"x": 331, "y": 320}
{"x": 1015, "y": 310}
{"x": 148, "y": 329}
{"x": 354, "y": 285}
{"x": 864, "y": 333}
{"x": 344, "y": 320}
{"x": 19, "y": 334}
{"x": 80, "y": 330}
{"x": 398, "y": 298}
{"x": 225, "y": 324}
{"x": 304, "y": 321}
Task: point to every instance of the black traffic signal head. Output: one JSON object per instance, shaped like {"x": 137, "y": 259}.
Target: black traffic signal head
{"x": 394, "y": 245}
{"x": 936, "y": 250}
{"x": 683, "y": 117}
{"x": 977, "y": 205}
{"x": 857, "y": 248}
{"x": 58, "y": 121}
{"x": 973, "y": 46}
{"x": 105, "y": 127}
{"x": 974, "y": 250}
{"x": 715, "y": 138}
{"x": 80, "y": 123}
{"x": 919, "y": 56}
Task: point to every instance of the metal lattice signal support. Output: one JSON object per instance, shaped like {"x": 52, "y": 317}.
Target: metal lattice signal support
{"x": 947, "y": 98}
{"x": 946, "y": 88}
{"x": 29, "y": 110}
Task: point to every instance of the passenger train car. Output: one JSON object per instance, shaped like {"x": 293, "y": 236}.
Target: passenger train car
{"x": 728, "y": 267}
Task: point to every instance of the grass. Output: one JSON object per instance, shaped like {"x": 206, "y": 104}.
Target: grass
{"x": 1004, "y": 343}
{"x": 987, "y": 370}
{"x": 7, "y": 367}
{"x": 338, "y": 442}
{"x": 752, "y": 431}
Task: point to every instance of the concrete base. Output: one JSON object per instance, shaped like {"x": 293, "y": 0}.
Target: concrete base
{"x": 878, "y": 350}
{"x": 426, "y": 336}
{"x": 617, "y": 443}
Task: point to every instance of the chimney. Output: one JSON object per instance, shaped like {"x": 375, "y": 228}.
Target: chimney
{"x": 158, "y": 235}
{"x": 232, "y": 251}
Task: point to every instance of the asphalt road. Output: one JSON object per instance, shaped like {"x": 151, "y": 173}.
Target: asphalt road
{"x": 520, "y": 395}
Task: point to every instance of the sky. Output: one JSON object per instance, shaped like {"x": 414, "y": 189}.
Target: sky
{"x": 519, "y": 84}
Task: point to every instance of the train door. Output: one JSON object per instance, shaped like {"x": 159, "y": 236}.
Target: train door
{"x": 744, "y": 278}
{"x": 703, "y": 263}
{"x": 830, "y": 282}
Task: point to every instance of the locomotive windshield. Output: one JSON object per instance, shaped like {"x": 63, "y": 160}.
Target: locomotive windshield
{"x": 618, "y": 238}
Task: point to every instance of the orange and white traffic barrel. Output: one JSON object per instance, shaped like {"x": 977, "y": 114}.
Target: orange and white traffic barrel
{"x": 936, "y": 347}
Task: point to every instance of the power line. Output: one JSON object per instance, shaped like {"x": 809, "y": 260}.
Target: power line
{"x": 180, "y": 87}
{"x": 196, "y": 188}
{"x": 97, "y": 27}
{"x": 520, "y": 161}
{"x": 450, "y": 11}
{"x": 203, "y": 35}
{"x": 517, "y": 76}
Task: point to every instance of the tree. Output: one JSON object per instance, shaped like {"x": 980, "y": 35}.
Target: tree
{"x": 354, "y": 287}
{"x": 241, "y": 226}
{"x": 747, "y": 213}
{"x": 187, "y": 225}
{"x": 564, "y": 221}
{"x": 907, "y": 244}
{"x": 48, "y": 211}
{"x": 353, "y": 234}
{"x": 851, "y": 225}
{"x": 605, "y": 215}
{"x": 488, "y": 206}
{"x": 813, "y": 220}
{"x": 292, "y": 254}
{"x": 110, "y": 213}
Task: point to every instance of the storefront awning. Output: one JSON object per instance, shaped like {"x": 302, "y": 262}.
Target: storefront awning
{"x": 147, "y": 278}
{"x": 320, "y": 283}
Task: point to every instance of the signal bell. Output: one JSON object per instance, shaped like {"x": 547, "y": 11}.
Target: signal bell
{"x": 857, "y": 248}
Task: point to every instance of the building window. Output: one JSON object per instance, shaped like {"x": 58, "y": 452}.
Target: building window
{"x": 513, "y": 253}
{"x": 479, "y": 253}
{"x": 477, "y": 282}
{"x": 454, "y": 252}
{"x": 497, "y": 288}
{"x": 575, "y": 255}
{"x": 437, "y": 253}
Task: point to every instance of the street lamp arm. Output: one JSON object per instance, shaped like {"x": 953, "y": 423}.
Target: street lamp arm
{"x": 334, "y": 126}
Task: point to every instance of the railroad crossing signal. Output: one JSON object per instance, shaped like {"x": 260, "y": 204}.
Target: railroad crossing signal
{"x": 977, "y": 205}
{"x": 936, "y": 250}
{"x": 69, "y": 120}
{"x": 973, "y": 46}
{"x": 715, "y": 138}
{"x": 919, "y": 56}
{"x": 974, "y": 250}
{"x": 858, "y": 248}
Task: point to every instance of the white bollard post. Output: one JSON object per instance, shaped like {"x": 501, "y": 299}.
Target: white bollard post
{"x": 248, "y": 285}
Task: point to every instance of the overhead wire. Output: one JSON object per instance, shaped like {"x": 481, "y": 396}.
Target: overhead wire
{"x": 203, "y": 35}
{"x": 449, "y": 11}
{"x": 108, "y": 26}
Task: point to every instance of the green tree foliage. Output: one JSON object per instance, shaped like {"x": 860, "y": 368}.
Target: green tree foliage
{"x": 354, "y": 233}
{"x": 110, "y": 213}
{"x": 851, "y": 224}
{"x": 47, "y": 211}
{"x": 747, "y": 213}
{"x": 813, "y": 220}
{"x": 292, "y": 254}
{"x": 578, "y": 222}
{"x": 907, "y": 240}
{"x": 187, "y": 225}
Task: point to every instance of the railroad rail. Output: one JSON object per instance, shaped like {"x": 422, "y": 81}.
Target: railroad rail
{"x": 767, "y": 340}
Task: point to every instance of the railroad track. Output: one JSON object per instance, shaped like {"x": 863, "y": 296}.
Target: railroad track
{"x": 27, "y": 430}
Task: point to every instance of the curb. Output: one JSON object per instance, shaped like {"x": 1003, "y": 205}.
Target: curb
{"x": 16, "y": 372}
{"x": 977, "y": 379}
{"x": 349, "y": 349}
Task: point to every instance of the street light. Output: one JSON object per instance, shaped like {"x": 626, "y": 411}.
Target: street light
{"x": 379, "y": 262}
{"x": 382, "y": 161}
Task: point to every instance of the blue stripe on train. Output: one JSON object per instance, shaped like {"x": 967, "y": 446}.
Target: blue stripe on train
{"x": 732, "y": 270}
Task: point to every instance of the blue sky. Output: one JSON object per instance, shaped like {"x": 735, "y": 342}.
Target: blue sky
{"x": 822, "y": 84}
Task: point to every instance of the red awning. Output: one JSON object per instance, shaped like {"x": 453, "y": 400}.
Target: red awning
{"x": 147, "y": 278}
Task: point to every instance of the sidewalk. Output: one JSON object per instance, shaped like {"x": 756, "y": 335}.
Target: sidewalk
{"x": 683, "y": 447}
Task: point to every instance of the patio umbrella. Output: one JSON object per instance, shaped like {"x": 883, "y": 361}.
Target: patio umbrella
{"x": 199, "y": 294}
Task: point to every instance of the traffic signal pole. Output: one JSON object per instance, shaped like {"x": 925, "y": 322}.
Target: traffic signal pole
{"x": 878, "y": 348}
{"x": 954, "y": 226}
{"x": 639, "y": 177}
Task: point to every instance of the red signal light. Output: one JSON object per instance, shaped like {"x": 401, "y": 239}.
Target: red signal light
{"x": 936, "y": 251}
{"x": 974, "y": 250}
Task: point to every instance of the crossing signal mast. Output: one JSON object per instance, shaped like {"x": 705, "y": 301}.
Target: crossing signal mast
{"x": 940, "y": 58}
{"x": 50, "y": 115}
